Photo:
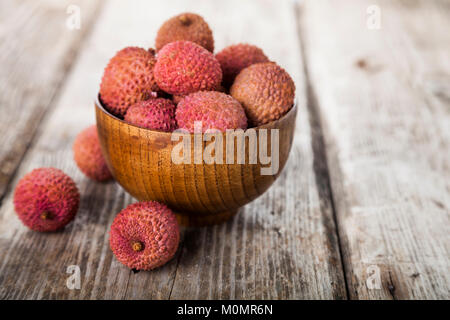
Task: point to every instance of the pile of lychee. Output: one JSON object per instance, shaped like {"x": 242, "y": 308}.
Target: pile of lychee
{"x": 180, "y": 82}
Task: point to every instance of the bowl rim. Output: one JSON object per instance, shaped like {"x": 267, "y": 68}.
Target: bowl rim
{"x": 99, "y": 105}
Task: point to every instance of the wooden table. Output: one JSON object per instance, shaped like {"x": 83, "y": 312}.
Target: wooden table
{"x": 361, "y": 211}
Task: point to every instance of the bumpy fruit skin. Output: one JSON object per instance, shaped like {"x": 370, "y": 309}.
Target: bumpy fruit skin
{"x": 176, "y": 99}
{"x": 185, "y": 26}
{"x": 265, "y": 90}
{"x": 184, "y": 67}
{"x": 46, "y": 199}
{"x": 216, "y": 110}
{"x": 236, "y": 57}
{"x": 127, "y": 79}
{"x": 88, "y": 155}
{"x": 144, "y": 235}
{"x": 155, "y": 114}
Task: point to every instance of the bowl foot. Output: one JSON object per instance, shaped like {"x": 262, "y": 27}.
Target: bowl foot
{"x": 189, "y": 220}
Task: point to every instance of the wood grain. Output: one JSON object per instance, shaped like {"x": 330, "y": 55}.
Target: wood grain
{"x": 283, "y": 245}
{"x": 382, "y": 97}
{"x": 37, "y": 51}
{"x": 141, "y": 161}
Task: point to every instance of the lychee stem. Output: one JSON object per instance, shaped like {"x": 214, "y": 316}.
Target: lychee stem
{"x": 45, "y": 215}
{"x": 137, "y": 246}
{"x": 185, "y": 20}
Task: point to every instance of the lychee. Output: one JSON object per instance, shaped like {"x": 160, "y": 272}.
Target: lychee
{"x": 88, "y": 155}
{"x": 155, "y": 114}
{"x": 236, "y": 57}
{"x": 184, "y": 67}
{"x": 185, "y": 26}
{"x": 46, "y": 199}
{"x": 215, "y": 110}
{"x": 265, "y": 90}
{"x": 144, "y": 235}
{"x": 127, "y": 79}
{"x": 176, "y": 99}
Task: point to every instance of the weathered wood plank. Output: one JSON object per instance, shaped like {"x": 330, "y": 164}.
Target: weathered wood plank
{"x": 283, "y": 245}
{"x": 34, "y": 265}
{"x": 383, "y": 98}
{"x": 37, "y": 51}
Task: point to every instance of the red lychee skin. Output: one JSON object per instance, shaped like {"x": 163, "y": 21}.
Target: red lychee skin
{"x": 46, "y": 199}
{"x": 216, "y": 110}
{"x": 88, "y": 155}
{"x": 176, "y": 99}
{"x": 265, "y": 90}
{"x": 184, "y": 67}
{"x": 155, "y": 114}
{"x": 127, "y": 79}
{"x": 144, "y": 235}
{"x": 236, "y": 57}
{"x": 185, "y": 26}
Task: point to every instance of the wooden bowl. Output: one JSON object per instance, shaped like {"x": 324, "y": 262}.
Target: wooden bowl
{"x": 201, "y": 194}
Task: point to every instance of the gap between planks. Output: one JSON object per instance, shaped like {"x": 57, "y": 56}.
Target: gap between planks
{"x": 282, "y": 245}
{"x": 384, "y": 112}
{"x": 68, "y": 61}
{"x": 320, "y": 156}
